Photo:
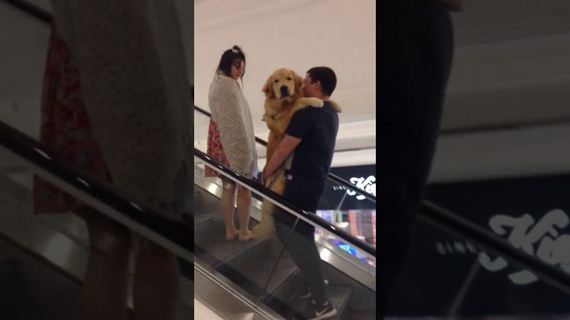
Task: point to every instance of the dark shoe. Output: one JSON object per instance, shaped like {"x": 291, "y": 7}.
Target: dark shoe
{"x": 301, "y": 298}
{"x": 313, "y": 312}
{"x": 324, "y": 311}
{"x": 304, "y": 294}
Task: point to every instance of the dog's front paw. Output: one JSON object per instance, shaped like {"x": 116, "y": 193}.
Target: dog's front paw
{"x": 316, "y": 102}
{"x": 270, "y": 181}
{"x": 309, "y": 102}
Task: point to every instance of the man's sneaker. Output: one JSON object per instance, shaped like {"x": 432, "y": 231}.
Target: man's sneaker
{"x": 305, "y": 293}
{"x": 324, "y": 311}
{"x": 303, "y": 296}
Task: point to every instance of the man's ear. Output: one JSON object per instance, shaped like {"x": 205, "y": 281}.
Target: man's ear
{"x": 318, "y": 84}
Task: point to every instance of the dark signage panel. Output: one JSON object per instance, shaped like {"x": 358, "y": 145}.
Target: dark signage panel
{"x": 336, "y": 197}
{"x": 447, "y": 275}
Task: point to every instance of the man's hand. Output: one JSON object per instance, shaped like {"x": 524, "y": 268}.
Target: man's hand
{"x": 283, "y": 150}
{"x": 266, "y": 179}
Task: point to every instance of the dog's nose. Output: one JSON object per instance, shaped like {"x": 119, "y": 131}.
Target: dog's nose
{"x": 284, "y": 91}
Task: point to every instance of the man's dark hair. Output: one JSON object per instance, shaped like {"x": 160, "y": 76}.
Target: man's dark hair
{"x": 326, "y": 76}
{"x": 229, "y": 57}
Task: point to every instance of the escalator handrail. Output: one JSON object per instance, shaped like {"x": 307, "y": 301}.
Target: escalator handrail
{"x": 28, "y": 149}
{"x": 331, "y": 176}
{"x": 286, "y": 204}
{"x": 32, "y": 9}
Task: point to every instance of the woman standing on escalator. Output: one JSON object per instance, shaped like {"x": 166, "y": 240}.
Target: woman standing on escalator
{"x": 231, "y": 140}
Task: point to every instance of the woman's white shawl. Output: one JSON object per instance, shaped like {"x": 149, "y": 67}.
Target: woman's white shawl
{"x": 232, "y": 115}
{"x": 132, "y": 66}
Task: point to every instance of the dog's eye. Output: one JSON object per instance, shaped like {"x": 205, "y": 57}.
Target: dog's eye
{"x": 275, "y": 80}
{"x": 289, "y": 78}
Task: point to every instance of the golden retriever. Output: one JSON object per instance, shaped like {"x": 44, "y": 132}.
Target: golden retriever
{"x": 283, "y": 97}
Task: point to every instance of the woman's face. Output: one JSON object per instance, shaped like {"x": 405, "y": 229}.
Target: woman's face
{"x": 238, "y": 68}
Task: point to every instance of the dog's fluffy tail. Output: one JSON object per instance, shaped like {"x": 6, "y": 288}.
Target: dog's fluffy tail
{"x": 266, "y": 226}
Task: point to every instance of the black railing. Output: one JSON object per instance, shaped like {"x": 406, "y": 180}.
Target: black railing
{"x": 32, "y": 9}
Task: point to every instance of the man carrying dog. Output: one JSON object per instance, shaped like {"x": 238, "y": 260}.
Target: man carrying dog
{"x": 309, "y": 140}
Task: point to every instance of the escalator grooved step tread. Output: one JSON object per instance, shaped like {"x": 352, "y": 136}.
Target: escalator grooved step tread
{"x": 205, "y": 217}
{"x": 254, "y": 280}
{"x": 211, "y": 246}
{"x": 340, "y": 297}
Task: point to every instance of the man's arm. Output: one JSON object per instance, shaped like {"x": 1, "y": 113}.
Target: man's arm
{"x": 284, "y": 149}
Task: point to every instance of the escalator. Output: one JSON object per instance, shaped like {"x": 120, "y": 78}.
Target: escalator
{"x": 43, "y": 258}
{"x": 262, "y": 269}
{"x": 264, "y": 272}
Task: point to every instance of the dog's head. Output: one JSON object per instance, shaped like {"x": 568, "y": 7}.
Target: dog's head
{"x": 283, "y": 83}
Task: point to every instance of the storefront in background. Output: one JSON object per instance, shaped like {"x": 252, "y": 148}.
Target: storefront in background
{"x": 447, "y": 273}
{"x": 338, "y": 197}
{"x": 349, "y": 210}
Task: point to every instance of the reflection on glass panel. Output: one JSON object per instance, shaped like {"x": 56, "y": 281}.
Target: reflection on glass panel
{"x": 359, "y": 223}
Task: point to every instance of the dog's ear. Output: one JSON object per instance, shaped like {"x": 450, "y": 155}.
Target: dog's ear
{"x": 267, "y": 88}
{"x": 298, "y": 81}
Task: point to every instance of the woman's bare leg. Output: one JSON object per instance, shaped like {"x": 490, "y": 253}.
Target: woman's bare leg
{"x": 106, "y": 274}
{"x": 155, "y": 290}
{"x": 243, "y": 206}
{"x": 227, "y": 206}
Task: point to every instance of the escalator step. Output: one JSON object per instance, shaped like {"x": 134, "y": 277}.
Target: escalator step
{"x": 211, "y": 245}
